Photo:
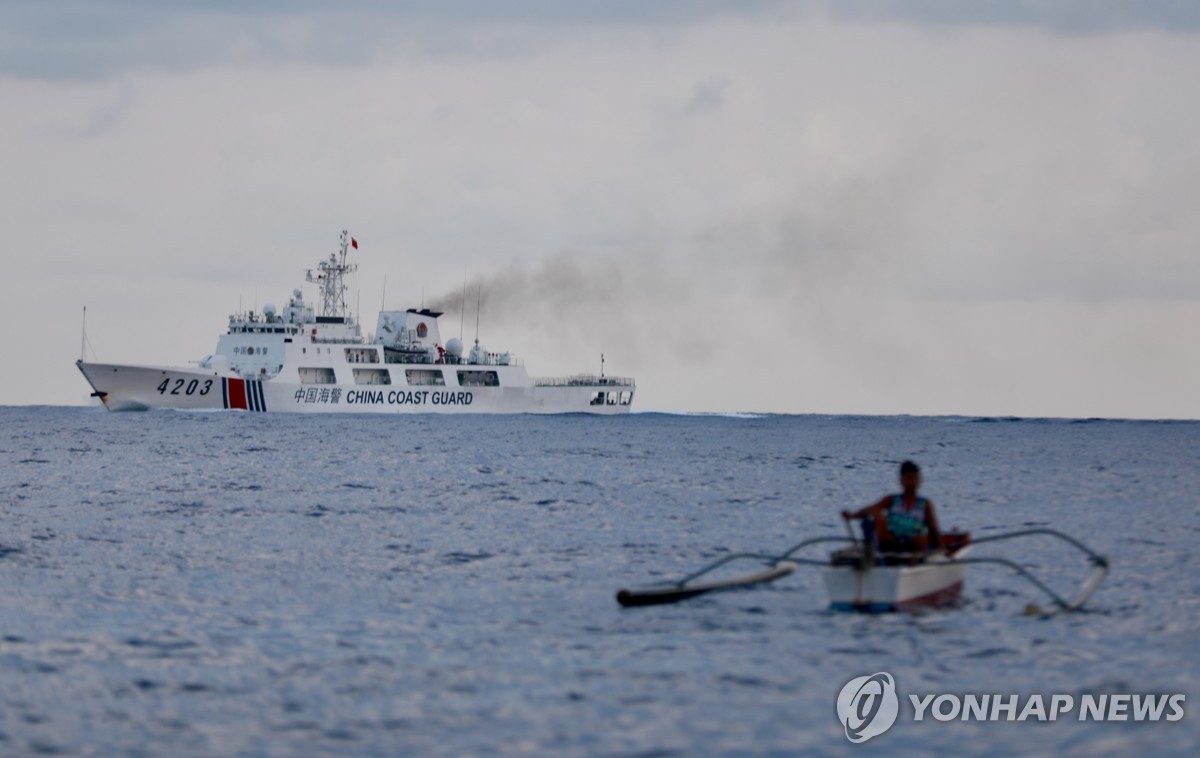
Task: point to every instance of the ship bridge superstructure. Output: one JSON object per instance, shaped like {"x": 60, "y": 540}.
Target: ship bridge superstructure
{"x": 256, "y": 344}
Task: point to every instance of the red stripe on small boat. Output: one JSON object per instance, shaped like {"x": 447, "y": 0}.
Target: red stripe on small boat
{"x": 237, "y": 394}
{"x": 944, "y": 596}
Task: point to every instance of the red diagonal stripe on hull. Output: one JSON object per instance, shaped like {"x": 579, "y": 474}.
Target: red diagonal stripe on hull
{"x": 237, "y": 394}
{"x": 944, "y": 596}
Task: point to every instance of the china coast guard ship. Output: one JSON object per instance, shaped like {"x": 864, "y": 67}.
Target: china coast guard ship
{"x": 300, "y": 361}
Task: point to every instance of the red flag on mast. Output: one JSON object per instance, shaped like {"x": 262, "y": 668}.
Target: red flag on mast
{"x": 353, "y": 243}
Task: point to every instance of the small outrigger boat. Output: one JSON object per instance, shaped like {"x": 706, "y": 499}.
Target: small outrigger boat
{"x": 895, "y": 581}
{"x": 859, "y": 577}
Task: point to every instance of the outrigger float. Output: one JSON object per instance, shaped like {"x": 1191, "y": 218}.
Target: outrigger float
{"x": 858, "y": 577}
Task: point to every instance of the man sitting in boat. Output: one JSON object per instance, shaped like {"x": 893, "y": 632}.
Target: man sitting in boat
{"x": 904, "y": 522}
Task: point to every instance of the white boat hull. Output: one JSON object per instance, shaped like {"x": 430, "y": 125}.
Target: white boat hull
{"x": 933, "y": 583}
{"x": 126, "y": 387}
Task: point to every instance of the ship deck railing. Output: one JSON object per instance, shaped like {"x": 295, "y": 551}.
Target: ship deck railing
{"x": 583, "y": 380}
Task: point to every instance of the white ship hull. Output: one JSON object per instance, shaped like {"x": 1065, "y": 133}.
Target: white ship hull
{"x": 125, "y": 387}
{"x": 303, "y": 361}
{"x": 932, "y": 583}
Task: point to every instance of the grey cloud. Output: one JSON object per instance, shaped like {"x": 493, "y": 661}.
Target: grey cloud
{"x": 86, "y": 39}
{"x": 91, "y": 39}
{"x": 708, "y": 95}
{"x": 1059, "y": 16}
{"x": 909, "y": 232}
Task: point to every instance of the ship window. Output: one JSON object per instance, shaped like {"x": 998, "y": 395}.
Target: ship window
{"x": 597, "y": 398}
{"x": 478, "y": 379}
{"x": 362, "y": 355}
{"x": 612, "y": 398}
{"x": 423, "y": 377}
{"x": 372, "y": 376}
{"x": 317, "y": 376}
{"x": 626, "y": 398}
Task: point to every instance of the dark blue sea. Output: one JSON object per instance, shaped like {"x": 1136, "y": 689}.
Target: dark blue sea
{"x": 244, "y": 584}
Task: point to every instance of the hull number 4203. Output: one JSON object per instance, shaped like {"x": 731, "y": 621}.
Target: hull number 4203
{"x": 184, "y": 387}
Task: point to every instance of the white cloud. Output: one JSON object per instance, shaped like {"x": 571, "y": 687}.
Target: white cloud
{"x": 771, "y": 212}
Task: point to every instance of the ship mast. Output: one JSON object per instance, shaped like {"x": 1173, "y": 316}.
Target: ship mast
{"x": 83, "y": 339}
{"x": 330, "y": 278}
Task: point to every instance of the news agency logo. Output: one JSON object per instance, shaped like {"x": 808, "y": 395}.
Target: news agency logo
{"x": 867, "y": 706}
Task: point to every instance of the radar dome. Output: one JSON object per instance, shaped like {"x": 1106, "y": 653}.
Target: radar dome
{"x": 269, "y": 310}
{"x": 454, "y": 347}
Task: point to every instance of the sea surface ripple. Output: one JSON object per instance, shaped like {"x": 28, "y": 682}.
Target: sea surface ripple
{"x": 245, "y": 584}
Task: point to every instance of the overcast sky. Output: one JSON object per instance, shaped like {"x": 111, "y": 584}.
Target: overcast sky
{"x": 858, "y": 207}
